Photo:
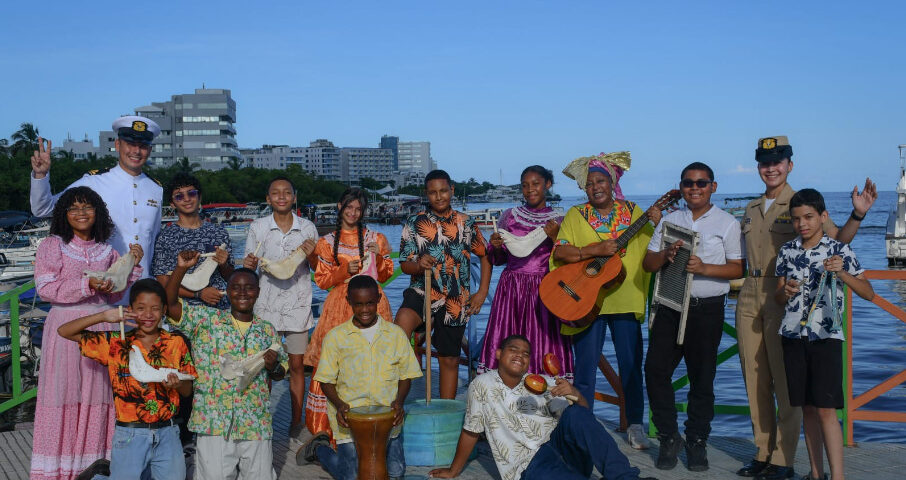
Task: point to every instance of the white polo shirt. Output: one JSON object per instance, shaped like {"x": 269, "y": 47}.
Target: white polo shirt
{"x": 719, "y": 241}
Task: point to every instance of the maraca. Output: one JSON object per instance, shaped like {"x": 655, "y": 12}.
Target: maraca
{"x": 551, "y": 365}
{"x": 535, "y": 383}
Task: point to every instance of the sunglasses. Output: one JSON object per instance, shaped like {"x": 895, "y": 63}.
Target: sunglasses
{"x": 700, "y": 183}
{"x": 190, "y": 194}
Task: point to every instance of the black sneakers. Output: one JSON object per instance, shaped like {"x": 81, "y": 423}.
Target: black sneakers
{"x": 670, "y": 447}
{"x": 696, "y": 454}
{"x": 309, "y": 452}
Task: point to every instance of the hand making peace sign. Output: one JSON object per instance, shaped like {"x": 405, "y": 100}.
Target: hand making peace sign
{"x": 40, "y": 160}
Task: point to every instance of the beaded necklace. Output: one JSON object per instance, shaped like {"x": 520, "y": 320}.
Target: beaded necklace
{"x": 530, "y": 218}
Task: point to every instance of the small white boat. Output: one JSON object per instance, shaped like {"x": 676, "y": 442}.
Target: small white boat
{"x": 896, "y": 222}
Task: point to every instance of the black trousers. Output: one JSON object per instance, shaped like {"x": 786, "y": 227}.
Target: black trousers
{"x": 704, "y": 327}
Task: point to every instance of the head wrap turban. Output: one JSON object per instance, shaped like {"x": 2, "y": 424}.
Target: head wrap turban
{"x": 611, "y": 164}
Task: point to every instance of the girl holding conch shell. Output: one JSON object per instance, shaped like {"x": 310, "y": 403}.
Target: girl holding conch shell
{"x": 74, "y": 416}
{"x": 350, "y": 250}
{"x": 523, "y": 239}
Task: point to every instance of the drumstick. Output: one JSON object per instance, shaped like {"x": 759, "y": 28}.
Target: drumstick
{"x": 494, "y": 222}
{"x": 427, "y": 312}
{"x": 256, "y": 250}
{"x": 122, "y": 325}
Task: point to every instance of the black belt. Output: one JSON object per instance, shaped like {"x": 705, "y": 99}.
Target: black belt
{"x": 759, "y": 273}
{"x": 699, "y": 301}
{"x": 151, "y": 426}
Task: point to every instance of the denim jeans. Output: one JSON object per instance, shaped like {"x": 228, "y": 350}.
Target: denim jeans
{"x": 626, "y": 334}
{"x": 135, "y": 449}
{"x": 577, "y": 445}
{"x": 342, "y": 464}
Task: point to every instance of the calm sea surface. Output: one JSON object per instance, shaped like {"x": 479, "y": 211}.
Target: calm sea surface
{"x": 879, "y": 340}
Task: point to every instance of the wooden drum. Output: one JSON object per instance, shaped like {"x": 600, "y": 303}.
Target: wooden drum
{"x": 370, "y": 427}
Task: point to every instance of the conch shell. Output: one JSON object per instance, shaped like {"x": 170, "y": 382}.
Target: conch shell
{"x": 244, "y": 369}
{"x": 523, "y": 246}
{"x": 141, "y": 371}
{"x": 118, "y": 273}
{"x": 201, "y": 276}
{"x": 283, "y": 269}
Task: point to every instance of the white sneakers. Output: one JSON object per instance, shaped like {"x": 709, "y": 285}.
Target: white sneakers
{"x": 635, "y": 434}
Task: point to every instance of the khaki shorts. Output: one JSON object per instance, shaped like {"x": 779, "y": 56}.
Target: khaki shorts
{"x": 296, "y": 342}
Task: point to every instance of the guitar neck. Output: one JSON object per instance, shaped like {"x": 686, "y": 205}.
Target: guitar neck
{"x": 630, "y": 232}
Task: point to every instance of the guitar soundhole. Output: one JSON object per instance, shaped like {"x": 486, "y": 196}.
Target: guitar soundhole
{"x": 569, "y": 291}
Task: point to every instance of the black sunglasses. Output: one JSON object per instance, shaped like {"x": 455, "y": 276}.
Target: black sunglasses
{"x": 700, "y": 183}
{"x": 191, "y": 194}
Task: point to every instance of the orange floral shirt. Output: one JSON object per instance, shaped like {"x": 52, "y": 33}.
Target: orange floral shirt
{"x": 136, "y": 401}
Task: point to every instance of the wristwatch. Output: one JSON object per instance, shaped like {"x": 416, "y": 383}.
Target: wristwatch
{"x": 198, "y": 295}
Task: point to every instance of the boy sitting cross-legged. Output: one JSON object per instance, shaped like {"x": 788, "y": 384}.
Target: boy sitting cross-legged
{"x": 365, "y": 361}
{"x": 233, "y": 424}
{"x": 145, "y": 435}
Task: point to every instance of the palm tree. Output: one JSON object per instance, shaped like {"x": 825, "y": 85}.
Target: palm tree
{"x": 183, "y": 165}
{"x": 235, "y": 163}
{"x": 4, "y": 147}
{"x": 66, "y": 155}
{"x": 26, "y": 138}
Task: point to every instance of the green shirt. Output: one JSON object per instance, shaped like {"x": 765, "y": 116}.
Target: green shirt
{"x": 218, "y": 407}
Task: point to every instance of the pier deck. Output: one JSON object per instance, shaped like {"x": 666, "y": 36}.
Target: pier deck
{"x": 880, "y": 461}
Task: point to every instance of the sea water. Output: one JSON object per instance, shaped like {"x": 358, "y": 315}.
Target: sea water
{"x": 879, "y": 340}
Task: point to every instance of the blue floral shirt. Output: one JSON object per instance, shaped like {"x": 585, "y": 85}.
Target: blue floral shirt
{"x": 806, "y": 266}
{"x": 206, "y": 238}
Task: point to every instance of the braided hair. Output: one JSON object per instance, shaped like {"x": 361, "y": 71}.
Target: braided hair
{"x": 348, "y": 196}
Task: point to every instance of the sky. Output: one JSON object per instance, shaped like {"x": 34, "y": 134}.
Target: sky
{"x": 494, "y": 86}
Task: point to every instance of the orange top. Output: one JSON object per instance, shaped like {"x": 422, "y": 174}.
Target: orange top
{"x": 135, "y": 401}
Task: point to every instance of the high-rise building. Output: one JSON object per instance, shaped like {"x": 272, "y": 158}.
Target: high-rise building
{"x": 359, "y": 163}
{"x": 322, "y": 158}
{"x": 78, "y": 149}
{"x": 198, "y": 126}
{"x": 393, "y": 144}
{"x": 415, "y": 156}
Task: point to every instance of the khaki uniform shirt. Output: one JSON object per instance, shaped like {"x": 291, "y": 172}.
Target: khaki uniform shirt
{"x": 764, "y": 232}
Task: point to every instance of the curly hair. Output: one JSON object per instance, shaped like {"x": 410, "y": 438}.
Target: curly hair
{"x": 59, "y": 224}
{"x": 182, "y": 180}
{"x": 346, "y": 198}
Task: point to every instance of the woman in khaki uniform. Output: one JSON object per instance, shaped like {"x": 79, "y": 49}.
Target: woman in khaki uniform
{"x": 767, "y": 226}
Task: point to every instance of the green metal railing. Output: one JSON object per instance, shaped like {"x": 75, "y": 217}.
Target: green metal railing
{"x": 19, "y": 396}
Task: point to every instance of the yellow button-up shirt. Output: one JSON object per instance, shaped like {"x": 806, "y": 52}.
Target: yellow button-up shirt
{"x": 365, "y": 373}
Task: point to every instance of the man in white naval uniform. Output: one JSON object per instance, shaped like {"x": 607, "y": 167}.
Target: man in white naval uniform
{"x": 133, "y": 198}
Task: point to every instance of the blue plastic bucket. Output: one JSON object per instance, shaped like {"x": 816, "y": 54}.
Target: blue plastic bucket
{"x": 431, "y": 432}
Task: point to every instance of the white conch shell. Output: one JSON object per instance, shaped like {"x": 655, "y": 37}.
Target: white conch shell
{"x": 118, "y": 273}
{"x": 369, "y": 267}
{"x": 201, "y": 276}
{"x": 141, "y": 371}
{"x": 283, "y": 269}
{"x": 244, "y": 369}
{"x": 523, "y": 246}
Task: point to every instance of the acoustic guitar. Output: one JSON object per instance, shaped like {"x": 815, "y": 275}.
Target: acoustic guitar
{"x": 570, "y": 291}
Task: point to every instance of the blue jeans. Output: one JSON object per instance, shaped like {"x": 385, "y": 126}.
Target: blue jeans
{"x": 626, "y": 333}
{"x": 135, "y": 449}
{"x": 342, "y": 464}
{"x": 578, "y": 445}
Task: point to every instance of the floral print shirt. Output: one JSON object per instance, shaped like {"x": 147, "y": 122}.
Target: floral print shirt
{"x": 515, "y": 421}
{"x": 806, "y": 266}
{"x": 218, "y": 406}
{"x": 204, "y": 239}
{"x": 135, "y": 401}
{"x": 450, "y": 240}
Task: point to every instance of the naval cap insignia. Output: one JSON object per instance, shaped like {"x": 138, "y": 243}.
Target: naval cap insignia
{"x": 139, "y": 126}
{"x": 768, "y": 143}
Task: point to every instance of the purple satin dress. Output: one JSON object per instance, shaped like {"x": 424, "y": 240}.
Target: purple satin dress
{"x": 517, "y": 307}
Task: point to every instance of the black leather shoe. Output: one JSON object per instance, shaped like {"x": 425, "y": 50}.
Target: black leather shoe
{"x": 670, "y": 447}
{"x": 752, "y": 468}
{"x": 773, "y": 472}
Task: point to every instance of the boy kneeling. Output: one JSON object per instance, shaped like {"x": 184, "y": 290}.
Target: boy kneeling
{"x": 365, "y": 361}
{"x": 812, "y": 334}
{"x": 230, "y": 415}
{"x": 145, "y": 434}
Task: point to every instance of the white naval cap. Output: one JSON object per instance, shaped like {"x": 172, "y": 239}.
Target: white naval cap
{"x": 136, "y": 129}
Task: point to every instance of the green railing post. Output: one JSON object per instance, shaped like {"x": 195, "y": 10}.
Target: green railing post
{"x": 19, "y": 396}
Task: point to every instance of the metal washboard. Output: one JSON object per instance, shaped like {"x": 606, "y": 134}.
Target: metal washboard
{"x": 673, "y": 284}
